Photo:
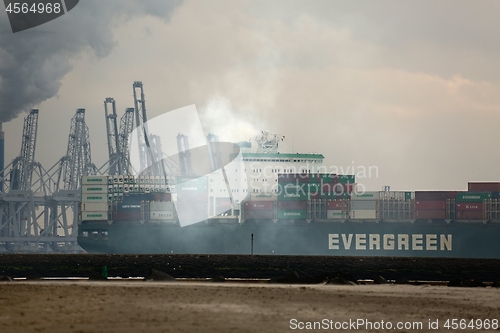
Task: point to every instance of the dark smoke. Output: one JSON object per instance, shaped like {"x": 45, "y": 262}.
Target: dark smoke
{"x": 33, "y": 62}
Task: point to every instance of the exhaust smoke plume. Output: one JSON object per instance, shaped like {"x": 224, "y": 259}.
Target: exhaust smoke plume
{"x": 33, "y": 62}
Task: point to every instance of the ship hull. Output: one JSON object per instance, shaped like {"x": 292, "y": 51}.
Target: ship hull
{"x": 439, "y": 239}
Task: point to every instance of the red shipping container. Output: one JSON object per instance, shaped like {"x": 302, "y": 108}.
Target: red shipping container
{"x": 336, "y": 205}
{"x": 259, "y": 214}
{"x": 469, "y": 215}
{"x": 292, "y": 204}
{"x": 425, "y": 205}
{"x": 259, "y": 205}
{"x": 131, "y": 215}
{"x": 467, "y": 206}
{"x": 435, "y": 195}
{"x": 436, "y": 214}
{"x": 484, "y": 187}
{"x": 163, "y": 197}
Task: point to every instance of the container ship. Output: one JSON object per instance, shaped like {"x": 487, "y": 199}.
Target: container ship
{"x": 288, "y": 207}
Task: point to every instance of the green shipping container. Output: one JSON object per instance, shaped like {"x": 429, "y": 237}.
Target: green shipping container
{"x": 347, "y": 179}
{"x": 293, "y": 191}
{"x": 473, "y": 196}
{"x": 407, "y": 196}
{"x": 292, "y": 214}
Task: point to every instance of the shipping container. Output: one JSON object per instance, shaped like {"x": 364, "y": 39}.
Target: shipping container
{"x": 435, "y": 195}
{"x": 465, "y": 206}
{"x": 324, "y": 178}
{"x": 292, "y": 214}
{"x": 94, "y": 216}
{"x": 495, "y": 195}
{"x": 137, "y": 198}
{"x": 473, "y": 196}
{"x": 337, "y": 205}
{"x": 120, "y": 207}
{"x": 95, "y": 180}
{"x": 363, "y": 214}
{"x": 364, "y": 204}
{"x": 259, "y": 205}
{"x": 347, "y": 179}
{"x": 408, "y": 196}
{"x": 161, "y": 206}
{"x": 430, "y": 205}
{"x": 163, "y": 197}
{"x": 336, "y": 214}
{"x": 293, "y": 191}
{"x": 131, "y": 215}
{"x": 161, "y": 215}
{"x": 94, "y": 197}
{"x": 95, "y": 206}
{"x": 259, "y": 214}
{"x": 470, "y": 215}
{"x": 95, "y": 189}
{"x": 431, "y": 214}
{"x": 365, "y": 196}
{"x": 338, "y": 188}
{"x": 282, "y": 205}
{"x": 484, "y": 187}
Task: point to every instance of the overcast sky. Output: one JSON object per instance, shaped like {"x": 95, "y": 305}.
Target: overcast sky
{"x": 411, "y": 87}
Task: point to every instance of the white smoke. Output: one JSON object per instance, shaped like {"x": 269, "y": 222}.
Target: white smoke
{"x": 219, "y": 117}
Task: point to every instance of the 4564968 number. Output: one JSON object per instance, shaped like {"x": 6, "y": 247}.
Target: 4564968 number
{"x": 474, "y": 324}
{"x": 35, "y": 8}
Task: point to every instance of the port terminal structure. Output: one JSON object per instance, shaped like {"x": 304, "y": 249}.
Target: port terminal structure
{"x": 39, "y": 206}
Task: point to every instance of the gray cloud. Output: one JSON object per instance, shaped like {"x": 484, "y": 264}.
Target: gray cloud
{"x": 33, "y": 62}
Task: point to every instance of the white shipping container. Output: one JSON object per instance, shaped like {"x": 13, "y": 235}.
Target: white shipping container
{"x": 93, "y": 216}
{"x": 161, "y": 206}
{"x": 364, "y": 205}
{"x": 94, "y": 180}
{"x": 161, "y": 215}
{"x": 88, "y": 197}
{"x": 95, "y": 206}
{"x": 95, "y": 188}
{"x": 364, "y": 214}
{"x": 365, "y": 196}
{"x": 335, "y": 214}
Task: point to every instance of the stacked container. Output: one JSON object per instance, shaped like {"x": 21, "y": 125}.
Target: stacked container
{"x": 94, "y": 202}
{"x": 364, "y": 206}
{"x": 259, "y": 210}
{"x": 192, "y": 195}
{"x": 337, "y": 209}
{"x": 470, "y": 205}
{"x": 161, "y": 211}
{"x": 293, "y": 193}
{"x": 434, "y": 205}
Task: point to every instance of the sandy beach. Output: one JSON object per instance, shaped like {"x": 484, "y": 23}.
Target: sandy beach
{"x": 138, "y": 306}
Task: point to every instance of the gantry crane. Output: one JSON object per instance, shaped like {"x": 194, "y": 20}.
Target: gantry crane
{"x": 184, "y": 154}
{"x": 126, "y": 127}
{"x": 114, "y": 153}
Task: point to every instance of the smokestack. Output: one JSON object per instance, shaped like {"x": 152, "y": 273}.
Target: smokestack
{"x": 1, "y": 157}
